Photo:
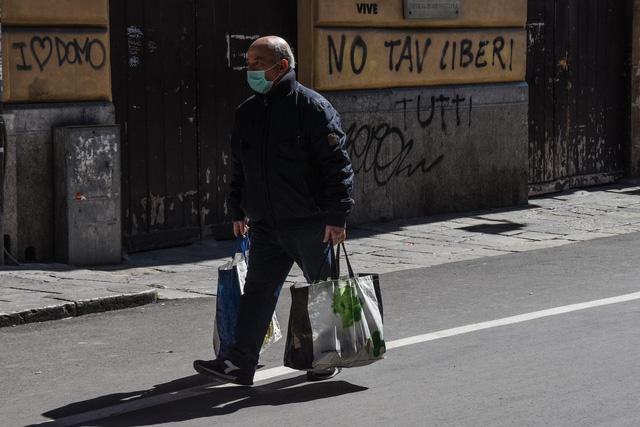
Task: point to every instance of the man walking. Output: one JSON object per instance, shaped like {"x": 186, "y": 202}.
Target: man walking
{"x": 293, "y": 180}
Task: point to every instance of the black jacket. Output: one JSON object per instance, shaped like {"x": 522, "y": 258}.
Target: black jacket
{"x": 291, "y": 168}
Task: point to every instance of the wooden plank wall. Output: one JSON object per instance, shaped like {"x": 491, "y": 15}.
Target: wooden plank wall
{"x": 634, "y": 149}
{"x": 226, "y": 29}
{"x": 578, "y": 70}
{"x": 154, "y": 50}
{"x": 179, "y": 74}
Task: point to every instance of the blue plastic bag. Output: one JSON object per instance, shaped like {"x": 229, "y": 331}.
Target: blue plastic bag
{"x": 231, "y": 278}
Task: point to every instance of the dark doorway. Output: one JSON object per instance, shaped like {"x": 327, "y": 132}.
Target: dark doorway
{"x": 178, "y": 75}
{"x": 578, "y": 70}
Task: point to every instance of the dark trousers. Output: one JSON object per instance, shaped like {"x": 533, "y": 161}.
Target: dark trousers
{"x": 271, "y": 258}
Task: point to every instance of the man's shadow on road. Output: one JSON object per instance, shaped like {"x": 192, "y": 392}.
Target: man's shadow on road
{"x": 202, "y": 399}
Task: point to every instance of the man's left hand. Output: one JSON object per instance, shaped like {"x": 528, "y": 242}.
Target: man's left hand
{"x": 336, "y": 234}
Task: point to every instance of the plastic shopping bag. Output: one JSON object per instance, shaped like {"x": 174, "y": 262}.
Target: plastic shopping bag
{"x": 335, "y": 323}
{"x": 231, "y": 278}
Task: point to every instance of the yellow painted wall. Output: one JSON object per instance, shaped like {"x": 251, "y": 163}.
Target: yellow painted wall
{"x": 390, "y": 13}
{"x": 55, "y": 50}
{"x": 50, "y": 64}
{"x": 370, "y": 58}
{"x": 494, "y": 50}
{"x": 85, "y": 13}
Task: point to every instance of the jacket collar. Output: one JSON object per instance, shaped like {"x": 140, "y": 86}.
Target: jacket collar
{"x": 285, "y": 86}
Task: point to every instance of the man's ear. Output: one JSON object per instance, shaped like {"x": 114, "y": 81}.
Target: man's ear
{"x": 284, "y": 65}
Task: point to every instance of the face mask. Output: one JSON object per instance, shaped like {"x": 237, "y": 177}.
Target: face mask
{"x": 258, "y": 82}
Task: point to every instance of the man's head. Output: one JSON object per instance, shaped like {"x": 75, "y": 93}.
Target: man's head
{"x": 268, "y": 60}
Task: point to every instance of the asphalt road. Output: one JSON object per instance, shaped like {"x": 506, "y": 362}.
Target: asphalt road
{"x": 564, "y": 363}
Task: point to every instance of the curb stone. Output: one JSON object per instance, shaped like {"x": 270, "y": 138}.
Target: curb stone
{"x": 78, "y": 308}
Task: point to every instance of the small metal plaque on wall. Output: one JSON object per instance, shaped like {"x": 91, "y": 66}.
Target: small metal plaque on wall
{"x": 433, "y": 10}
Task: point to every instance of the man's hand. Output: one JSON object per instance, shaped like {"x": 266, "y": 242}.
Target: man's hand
{"x": 240, "y": 227}
{"x": 336, "y": 234}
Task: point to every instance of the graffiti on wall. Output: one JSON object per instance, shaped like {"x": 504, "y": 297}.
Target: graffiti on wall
{"x": 353, "y": 59}
{"x": 237, "y": 47}
{"x": 57, "y": 65}
{"x": 386, "y": 151}
{"x": 39, "y": 51}
{"x": 402, "y": 55}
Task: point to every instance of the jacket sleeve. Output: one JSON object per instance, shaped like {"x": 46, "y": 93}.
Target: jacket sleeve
{"x": 328, "y": 145}
{"x": 237, "y": 184}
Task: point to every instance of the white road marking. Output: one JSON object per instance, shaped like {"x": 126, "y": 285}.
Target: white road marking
{"x": 511, "y": 320}
{"x": 267, "y": 374}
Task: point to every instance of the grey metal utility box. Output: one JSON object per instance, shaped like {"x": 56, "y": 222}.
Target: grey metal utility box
{"x": 87, "y": 195}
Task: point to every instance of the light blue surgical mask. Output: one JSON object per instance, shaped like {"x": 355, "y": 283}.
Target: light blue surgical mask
{"x": 258, "y": 82}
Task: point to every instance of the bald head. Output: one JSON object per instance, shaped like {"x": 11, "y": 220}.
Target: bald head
{"x": 278, "y": 47}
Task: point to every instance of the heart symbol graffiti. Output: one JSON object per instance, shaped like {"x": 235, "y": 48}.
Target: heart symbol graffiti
{"x": 42, "y": 50}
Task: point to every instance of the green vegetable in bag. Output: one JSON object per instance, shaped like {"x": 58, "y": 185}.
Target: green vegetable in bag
{"x": 378, "y": 344}
{"x": 348, "y": 305}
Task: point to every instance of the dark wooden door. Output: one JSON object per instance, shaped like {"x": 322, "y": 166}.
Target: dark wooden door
{"x": 178, "y": 74}
{"x": 226, "y": 29}
{"x": 578, "y": 70}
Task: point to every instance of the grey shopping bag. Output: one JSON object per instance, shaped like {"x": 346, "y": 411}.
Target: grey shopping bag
{"x": 336, "y": 322}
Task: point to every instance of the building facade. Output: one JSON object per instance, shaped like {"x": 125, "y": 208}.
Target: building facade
{"x": 448, "y": 105}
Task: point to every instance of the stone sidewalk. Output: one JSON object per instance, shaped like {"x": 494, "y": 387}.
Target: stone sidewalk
{"x": 39, "y": 292}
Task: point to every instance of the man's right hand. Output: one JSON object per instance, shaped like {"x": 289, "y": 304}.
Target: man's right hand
{"x": 240, "y": 227}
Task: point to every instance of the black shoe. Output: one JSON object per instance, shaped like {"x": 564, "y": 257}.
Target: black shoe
{"x": 324, "y": 374}
{"x": 223, "y": 370}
